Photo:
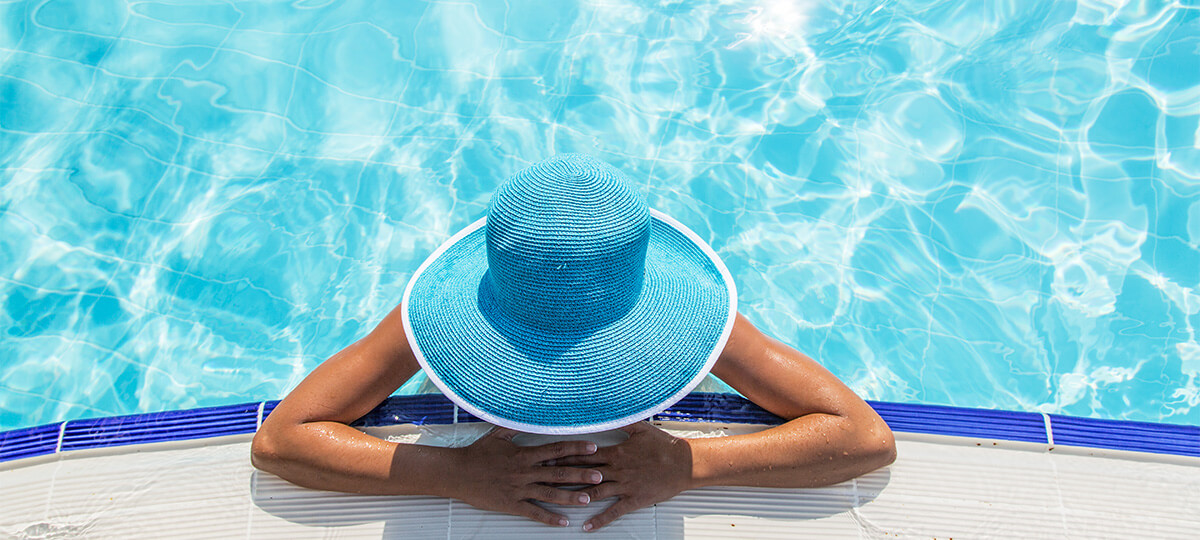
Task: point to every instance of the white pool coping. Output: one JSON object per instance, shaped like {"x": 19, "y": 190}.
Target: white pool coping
{"x": 939, "y": 487}
{"x": 961, "y": 473}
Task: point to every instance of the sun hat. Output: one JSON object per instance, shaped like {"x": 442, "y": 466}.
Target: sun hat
{"x": 572, "y": 307}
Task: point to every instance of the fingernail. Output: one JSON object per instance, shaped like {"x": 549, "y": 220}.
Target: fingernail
{"x": 583, "y": 498}
{"x": 587, "y": 526}
{"x": 591, "y": 448}
{"x": 562, "y": 522}
{"x": 596, "y": 477}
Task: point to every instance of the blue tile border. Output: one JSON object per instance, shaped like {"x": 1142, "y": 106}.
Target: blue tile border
{"x": 160, "y": 427}
{"x": 708, "y": 407}
{"x": 29, "y": 442}
{"x": 963, "y": 422}
{"x": 1132, "y": 436}
{"x": 433, "y": 409}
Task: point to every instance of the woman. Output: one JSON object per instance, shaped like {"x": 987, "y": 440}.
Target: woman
{"x": 574, "y": 309}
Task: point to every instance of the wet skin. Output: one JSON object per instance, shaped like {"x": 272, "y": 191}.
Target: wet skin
{"x": 831, "y": 435}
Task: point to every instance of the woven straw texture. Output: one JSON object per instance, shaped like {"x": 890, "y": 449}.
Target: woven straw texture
{"x": 572, "y": 307}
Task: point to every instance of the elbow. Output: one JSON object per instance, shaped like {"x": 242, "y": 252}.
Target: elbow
{"x": 873, "y": 446}
{"x": 880, "y": 445}
{"x": 264, "y": 451}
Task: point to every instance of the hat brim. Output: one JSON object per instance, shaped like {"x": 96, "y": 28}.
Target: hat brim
{"x": 583, "y": 381}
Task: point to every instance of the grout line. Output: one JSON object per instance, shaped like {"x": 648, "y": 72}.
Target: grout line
{"x": 62, "y": 430}
{"x": 250, "y": 507}
{"x": 261, "y": 407}
{"x": 854, "y": 509}
{"x": 654, "y": 519}
{"x": 1049, "y": 432}
{"x": 1058, "y": 489}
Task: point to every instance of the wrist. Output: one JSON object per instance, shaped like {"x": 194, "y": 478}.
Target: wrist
{"x": 427, "y": 470}
{"x": 451, "y": 474}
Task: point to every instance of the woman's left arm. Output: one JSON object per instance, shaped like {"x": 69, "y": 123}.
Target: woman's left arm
{"x": 831, "y": 435}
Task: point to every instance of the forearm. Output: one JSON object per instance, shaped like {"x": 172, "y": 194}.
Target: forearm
{"x": 811, "y": 451}
{"x": 337, "y": 457}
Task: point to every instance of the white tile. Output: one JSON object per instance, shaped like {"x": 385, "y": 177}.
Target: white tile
{"x": 938, "y": 488}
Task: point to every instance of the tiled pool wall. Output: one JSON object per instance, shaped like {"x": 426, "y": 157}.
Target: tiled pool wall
{"x": 433, "y": 409}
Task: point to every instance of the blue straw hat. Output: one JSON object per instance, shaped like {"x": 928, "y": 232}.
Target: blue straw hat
{"x": 572, "y": 307}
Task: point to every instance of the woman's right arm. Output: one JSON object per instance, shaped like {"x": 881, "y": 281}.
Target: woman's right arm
{"x": 307, "y": 440}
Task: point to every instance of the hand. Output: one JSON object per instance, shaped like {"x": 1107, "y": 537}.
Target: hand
{"x": 495, "y": 474}
{"x": 648, "y": 468}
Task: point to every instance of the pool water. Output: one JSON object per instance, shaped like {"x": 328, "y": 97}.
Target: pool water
{"x": 984, "y": 204}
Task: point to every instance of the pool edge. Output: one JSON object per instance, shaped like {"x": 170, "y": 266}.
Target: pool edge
{"x": 1051, "y": 430}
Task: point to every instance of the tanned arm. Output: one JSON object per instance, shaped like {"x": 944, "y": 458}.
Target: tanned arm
{"x": 307, "y": 440}
{"x": 831, "y": 435}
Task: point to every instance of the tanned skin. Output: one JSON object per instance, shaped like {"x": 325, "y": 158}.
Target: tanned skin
{"x": 831, "y": 435}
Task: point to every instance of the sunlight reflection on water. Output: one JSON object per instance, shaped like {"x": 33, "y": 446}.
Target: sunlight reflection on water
{"x": 981, "y": 204}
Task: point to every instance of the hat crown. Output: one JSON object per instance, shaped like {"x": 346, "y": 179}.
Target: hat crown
{"x": 566, "y": 244}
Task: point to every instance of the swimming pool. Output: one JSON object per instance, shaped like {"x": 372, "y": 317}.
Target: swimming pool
{"x": 983, "y": 205}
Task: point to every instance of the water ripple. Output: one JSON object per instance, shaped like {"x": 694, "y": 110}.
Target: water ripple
{"x": 980, "y": 204}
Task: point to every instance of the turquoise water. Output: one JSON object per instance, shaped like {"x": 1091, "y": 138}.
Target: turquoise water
{"x": 985, "y": 204}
